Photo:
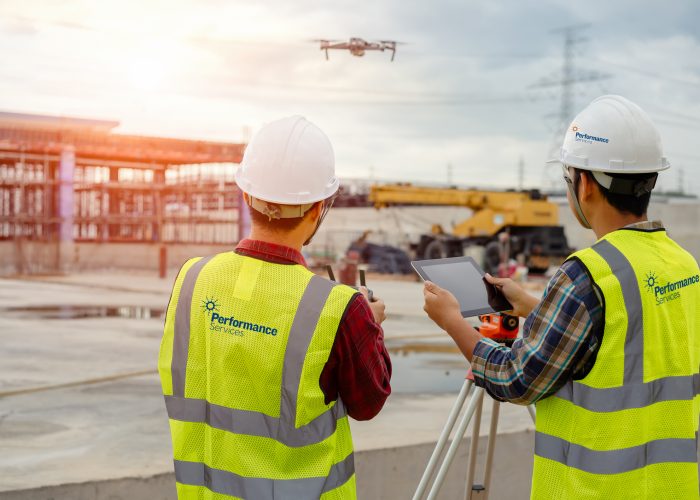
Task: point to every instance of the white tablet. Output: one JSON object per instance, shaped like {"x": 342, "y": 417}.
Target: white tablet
{"x": 465, "y": 279}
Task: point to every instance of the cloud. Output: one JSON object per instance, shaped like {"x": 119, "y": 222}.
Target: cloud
{"x": 460, "y": 91}
{"x": 19, "y": 26}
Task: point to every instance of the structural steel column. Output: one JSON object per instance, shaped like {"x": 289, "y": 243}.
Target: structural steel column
{"x": 66, "y": 207}
{"x": 157, "y": 227}
{"x": 114, "y": 195}
{"x": 158, "y": 205}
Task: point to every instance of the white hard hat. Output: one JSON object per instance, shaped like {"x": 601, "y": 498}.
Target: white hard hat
{"x": 289, "y": 161}
{"x": 613, "y": 135}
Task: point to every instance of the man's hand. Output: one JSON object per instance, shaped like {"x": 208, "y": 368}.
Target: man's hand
{"x": 442, "y": 307}
{"x": 523, "y": 303}
{"x": 377, "y": 306}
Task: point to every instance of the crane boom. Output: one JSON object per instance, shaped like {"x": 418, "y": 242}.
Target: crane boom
{"x": 493, "y": 210}
{"x": 404, "y": 194}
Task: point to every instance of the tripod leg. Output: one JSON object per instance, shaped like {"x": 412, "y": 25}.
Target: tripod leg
{"x": 477, "y": 393}
{"x": 474, "y": 447}
{"x": 531, "y": 411}
{"x": 454, "y": 413}
{"x": 490, "y": 448}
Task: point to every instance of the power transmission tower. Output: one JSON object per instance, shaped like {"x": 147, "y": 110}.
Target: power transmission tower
{"x": 449, "y": 174}
{"x": 566, "y": 80}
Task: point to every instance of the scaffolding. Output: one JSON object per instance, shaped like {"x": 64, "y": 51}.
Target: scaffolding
{"x": 69, "y": 180}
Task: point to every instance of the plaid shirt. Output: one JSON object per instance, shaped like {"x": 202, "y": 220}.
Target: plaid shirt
{"x": 561, "y": 337}
{"x": 358, "y": 369}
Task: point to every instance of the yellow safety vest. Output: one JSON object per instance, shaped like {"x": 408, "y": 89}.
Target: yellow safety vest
{"x": 629, "y": 429}
{"x": 244, "y": 345}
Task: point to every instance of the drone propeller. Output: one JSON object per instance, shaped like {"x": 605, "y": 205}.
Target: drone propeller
{"x": 391, "y": 45}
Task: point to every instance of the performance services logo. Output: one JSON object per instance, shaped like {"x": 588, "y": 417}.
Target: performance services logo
{"x": 669, "y": 291}
{"x": 230, "y": 324}
{"x": 210, "y": 305}
{"x": 588, "y": 139}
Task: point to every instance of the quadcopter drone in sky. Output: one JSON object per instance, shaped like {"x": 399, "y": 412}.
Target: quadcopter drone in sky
{"x": 358, "y": 46}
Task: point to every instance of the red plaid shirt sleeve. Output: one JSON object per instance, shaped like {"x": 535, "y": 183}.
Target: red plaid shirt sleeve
{"x": 358, "y": 369}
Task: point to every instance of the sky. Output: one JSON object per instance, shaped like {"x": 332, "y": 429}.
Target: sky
{"x": 463, "y": 101}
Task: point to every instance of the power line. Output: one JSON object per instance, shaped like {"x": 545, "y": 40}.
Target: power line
{"x": 485, "y": 101}
{"x": 410, "y": 97}
{"x": 672, "y": 123}
{"x": 650, "y": 74}
{"x": 680, "y": 116}
{"x": 684, "y": 155}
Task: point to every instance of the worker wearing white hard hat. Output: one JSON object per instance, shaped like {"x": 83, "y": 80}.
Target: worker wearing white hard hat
{"x": 611, "y": 353}
{"x": 263, "y": 361}
{"x": 616, "y": 141}
{"x": 289, "y": 167}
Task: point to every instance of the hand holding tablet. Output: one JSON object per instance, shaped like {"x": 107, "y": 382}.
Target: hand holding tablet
{"x": 463, "y": 277}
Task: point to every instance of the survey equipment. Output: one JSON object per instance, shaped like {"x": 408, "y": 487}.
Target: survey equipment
{"x": 499, "y": 327}
{"x": 363, "y": 282}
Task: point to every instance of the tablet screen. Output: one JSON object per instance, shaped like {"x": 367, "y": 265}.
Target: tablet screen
{"x": 464, "y": 278}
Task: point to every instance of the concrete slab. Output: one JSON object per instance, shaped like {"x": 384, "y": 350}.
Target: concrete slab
{"x": 106, "y": 427}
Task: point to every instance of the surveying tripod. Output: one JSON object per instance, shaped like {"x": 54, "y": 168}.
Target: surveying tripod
{"x": 504, "y": 329}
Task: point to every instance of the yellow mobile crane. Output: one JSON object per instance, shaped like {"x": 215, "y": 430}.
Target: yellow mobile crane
{"x": 530, "y": 221}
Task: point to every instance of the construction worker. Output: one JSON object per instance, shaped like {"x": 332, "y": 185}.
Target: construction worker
{"x": 262, "y": 361}
{"x": 611, "y": 354}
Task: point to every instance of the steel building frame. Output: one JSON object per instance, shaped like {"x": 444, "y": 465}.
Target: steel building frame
{"x": 67, "y": 179}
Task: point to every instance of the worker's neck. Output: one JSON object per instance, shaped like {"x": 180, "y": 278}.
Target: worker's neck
{"x": 609, "y": 219}
{"x": 292, "y": 239}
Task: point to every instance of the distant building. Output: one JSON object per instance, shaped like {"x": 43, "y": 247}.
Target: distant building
{"x": 72, "y": 181}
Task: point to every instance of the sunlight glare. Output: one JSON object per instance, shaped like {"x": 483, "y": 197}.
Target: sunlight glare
{"x": 149, "y": 69}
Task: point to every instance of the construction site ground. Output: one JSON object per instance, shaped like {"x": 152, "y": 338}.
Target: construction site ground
{"x": 80, "y": 401}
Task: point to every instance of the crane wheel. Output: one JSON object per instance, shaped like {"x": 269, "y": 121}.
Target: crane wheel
{"x": 435, "y": 250}
{"x": 492, "y": 257}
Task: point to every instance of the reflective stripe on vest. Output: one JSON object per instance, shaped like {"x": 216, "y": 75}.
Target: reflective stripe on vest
{"x": 615, "y": 461}
{"x": 282, "y": 429}
{"x": 635, "y": 393}
{"x": 181, "y": 341}
{"x": 683, "y": 388}
{"x": 228, "y": 483}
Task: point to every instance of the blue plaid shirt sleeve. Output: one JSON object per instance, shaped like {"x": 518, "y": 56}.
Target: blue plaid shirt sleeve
{"x": 560, "y": 341}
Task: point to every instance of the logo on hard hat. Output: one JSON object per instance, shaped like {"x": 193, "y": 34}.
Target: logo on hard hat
{"x": 588, "y": 139}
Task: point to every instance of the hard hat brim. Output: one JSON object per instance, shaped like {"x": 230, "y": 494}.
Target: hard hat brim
{"x": 665, "y": 165}
{"x": 286, "y": 198}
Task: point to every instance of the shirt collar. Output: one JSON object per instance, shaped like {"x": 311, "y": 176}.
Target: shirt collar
{"x": 270, "y": 251}
{"x": 646, "y": 225}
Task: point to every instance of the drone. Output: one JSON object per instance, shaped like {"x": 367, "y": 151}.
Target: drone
{"x": 358, "y": 46}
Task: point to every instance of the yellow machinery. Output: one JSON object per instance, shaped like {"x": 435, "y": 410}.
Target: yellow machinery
{"x": 530, "y": 221}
